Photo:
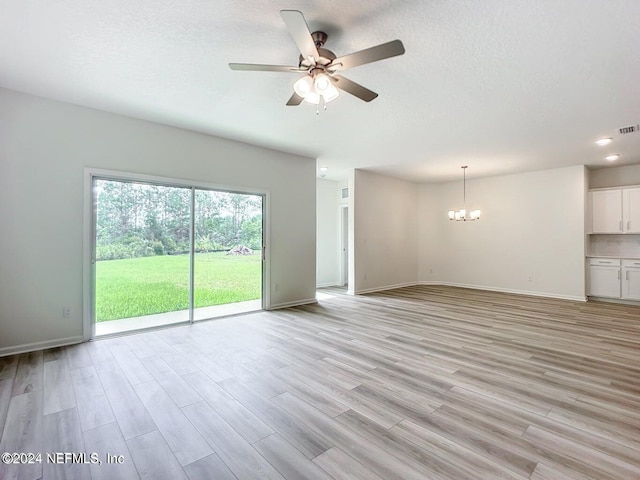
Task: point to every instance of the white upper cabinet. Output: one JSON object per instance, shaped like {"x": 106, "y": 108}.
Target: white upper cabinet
{"x": 606, "y": 211}
{"x": 631, "y": 210}
{"x": 615, "y": 210}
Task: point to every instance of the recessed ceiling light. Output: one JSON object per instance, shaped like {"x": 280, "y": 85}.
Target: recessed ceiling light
{"x": 612, "y": 157}
{"x": 603, "y": 141}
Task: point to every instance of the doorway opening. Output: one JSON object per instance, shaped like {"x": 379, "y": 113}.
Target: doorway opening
{"x": 344, "y": 246}
{"x": 173, "y": 254}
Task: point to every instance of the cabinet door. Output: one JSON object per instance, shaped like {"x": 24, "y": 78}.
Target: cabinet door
{"x": 606, "y": 211}
{"x": 631, "y": 209}
{"x": 631, "y": 283}
{"x": 604, "y": 281}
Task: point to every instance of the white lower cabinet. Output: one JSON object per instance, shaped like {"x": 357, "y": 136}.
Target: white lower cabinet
{"x": 631, "y": 279}
{"x": 604, "y": 277}
{"x": 614, "y": 278}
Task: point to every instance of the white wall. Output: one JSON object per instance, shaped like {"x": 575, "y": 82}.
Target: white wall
{"x": 385, "y": 232}
{"x": 614, "y": 176}
{"x": 327, "y": 232}
{"x": 430, "y": 261}
{"x": 530, "y": 238}
{"x": 44, "y": 148}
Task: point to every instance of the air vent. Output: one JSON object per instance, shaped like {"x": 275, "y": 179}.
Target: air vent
{"x": 629, "y": 129}
{"x": 345, "y": 193}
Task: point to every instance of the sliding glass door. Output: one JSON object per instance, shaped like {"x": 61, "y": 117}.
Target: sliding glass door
{"x": 228, "y": 253}
{"x": 173, "y": 254}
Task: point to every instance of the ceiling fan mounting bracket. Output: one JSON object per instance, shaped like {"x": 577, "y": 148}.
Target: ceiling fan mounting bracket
{"x": 319, "y": 38}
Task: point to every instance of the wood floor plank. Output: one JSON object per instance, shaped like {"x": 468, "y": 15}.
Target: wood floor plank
{"x": 287, "y": 460}
{"x": 310, "y": 443}
{"x": 93, "y": 406}
{"x": 62, "y": 433}
{"x": 342, "y": 467}
{"x": 23, "y": 433}
{"x": 235, "y": 414}
{"x": 55, "y": 353}
{"x": 58, "y": 389}
{"x": 6, "y": 386}
{"x": 107, "y": 439}
{"x": 129, "y": 363}
{"x": 78, "y": 356}
{"x": 182, "y": 437}
{"x": 544, "y": 472}
{"x": 604, "y": 465}
{"x": 241, "y": 458}
{"x": 133, "y": 418}
{"x": 207, "y": 468}
{"x": 8, "y": 366}
{"x": 101, "y": 356}
{"x": 153, "y": 458}
{"x": 29, "y": 373}
{"x": 362, "y": 448}
{"x": 179, "y": 391}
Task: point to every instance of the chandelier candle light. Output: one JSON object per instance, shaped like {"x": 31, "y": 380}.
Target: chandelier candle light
{"x": 461, "y": 215}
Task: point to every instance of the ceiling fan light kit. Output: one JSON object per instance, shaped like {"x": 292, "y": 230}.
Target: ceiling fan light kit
{"x": 314, "y": 86}
{"x": 321, "y": 83}
{"x": 461, "y": 215}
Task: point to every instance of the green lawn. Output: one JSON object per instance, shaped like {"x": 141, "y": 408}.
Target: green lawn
{"x": 143, "y": 286}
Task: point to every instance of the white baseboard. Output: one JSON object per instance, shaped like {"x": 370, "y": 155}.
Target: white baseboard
{"x": 574, "y": 298}
{"x": 31, "y": 347}
{"x": 386, "y": 287}
{"x": 293, "y": 304}
{"x": 620, "y": 301}
{"x": 328, "y": 284}
{"x": 475, "y": 287}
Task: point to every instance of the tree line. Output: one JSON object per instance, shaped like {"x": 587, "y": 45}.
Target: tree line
{"x": 135, "y": 220}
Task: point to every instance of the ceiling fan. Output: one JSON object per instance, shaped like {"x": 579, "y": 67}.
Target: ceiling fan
{"x": 320, "y": 66}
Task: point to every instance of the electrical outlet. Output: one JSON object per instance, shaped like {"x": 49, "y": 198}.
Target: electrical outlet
{"x": 66, "y": 312}
{"x": 530, "y": 278}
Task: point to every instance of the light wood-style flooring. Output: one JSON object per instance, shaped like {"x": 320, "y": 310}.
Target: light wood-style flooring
{"x": 416, "y": 383}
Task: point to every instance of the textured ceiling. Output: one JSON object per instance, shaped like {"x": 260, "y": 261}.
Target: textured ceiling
{"x": 502, "y": 86}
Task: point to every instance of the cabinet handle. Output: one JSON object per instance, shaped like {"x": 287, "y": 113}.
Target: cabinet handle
{"x": 620, "y": 225}
{"x": 618, "y": 274}
{"x": 627, "y": 276}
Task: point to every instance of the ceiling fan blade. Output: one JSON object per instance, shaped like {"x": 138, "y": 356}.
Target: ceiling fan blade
{"x": 254, "y": 67}
{"x": 354, "y": 88}
{"x": 373, "y": 54}
{"x": 299, "y": 31}
{"x": 295, "y": 100}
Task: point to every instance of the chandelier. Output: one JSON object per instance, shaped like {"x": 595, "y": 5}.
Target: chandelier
{"x": 461, "y": 215}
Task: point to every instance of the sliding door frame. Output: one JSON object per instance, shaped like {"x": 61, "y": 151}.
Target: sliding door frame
{"x": 89, "y": 235}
